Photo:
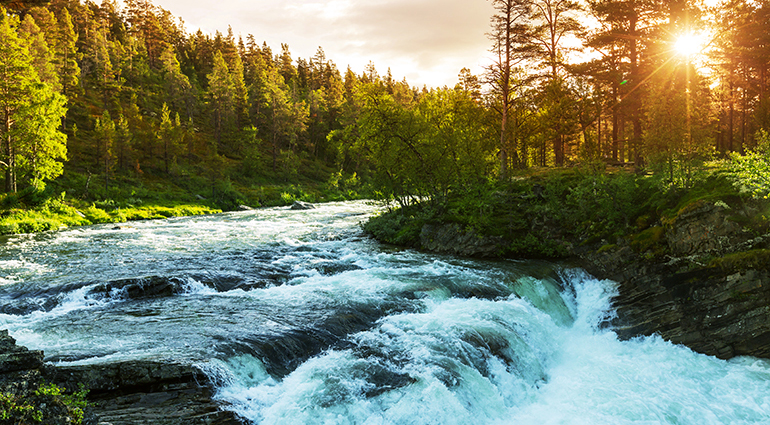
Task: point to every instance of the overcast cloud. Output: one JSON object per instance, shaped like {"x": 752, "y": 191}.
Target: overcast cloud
{"x": 425, "y": 41}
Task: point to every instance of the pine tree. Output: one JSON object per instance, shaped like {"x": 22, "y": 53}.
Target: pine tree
{"x": 177, "y": 85}
{"x": 65, "y": 54}
{"x": 42, "y": 56}
{"x": 104, "y": 132}
{"x": 29, "y": 113}
{"x": 221, "y": 93}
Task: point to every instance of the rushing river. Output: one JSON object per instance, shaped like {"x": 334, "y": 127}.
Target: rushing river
{"x": 300, "y": 319}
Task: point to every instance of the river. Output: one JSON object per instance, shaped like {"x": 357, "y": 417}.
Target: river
{"x": 299, "y": 318}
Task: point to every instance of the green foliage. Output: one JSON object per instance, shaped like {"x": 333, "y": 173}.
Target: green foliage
{"x": 226, "y": 197}
{"x": 751, "y": 172}
{"x": 399, "y": 227}
{"x": 39, "y": 407}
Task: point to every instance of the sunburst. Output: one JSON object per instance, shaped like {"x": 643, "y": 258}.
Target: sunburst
{"x": 689, "y": 44}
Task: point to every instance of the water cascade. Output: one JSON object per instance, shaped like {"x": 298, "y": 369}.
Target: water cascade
{"x": 297, "y": 317}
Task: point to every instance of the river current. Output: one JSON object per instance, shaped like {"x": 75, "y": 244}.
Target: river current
{"x": 299, "y": 318}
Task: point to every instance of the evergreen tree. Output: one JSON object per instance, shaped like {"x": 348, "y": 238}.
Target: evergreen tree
{"x": 42, "y": 56}
{"x": 221, "y": 95}
{"x": 29, "y": 113}
{"x": 104, "y": 133}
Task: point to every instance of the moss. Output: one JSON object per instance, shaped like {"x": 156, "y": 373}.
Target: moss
{"x": 647, "y": 239}
{"x": 605, "y": 248}
{"x": 754, "y": 259}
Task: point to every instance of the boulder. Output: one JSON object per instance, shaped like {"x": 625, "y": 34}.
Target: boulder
{"x": 299, "y": 205}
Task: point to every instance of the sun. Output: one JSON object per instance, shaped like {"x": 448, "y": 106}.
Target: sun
{"x": 689, "y": 44}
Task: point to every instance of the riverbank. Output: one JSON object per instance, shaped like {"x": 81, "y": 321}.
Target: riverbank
{"x": 66, "y": 203}
{"x": 691, "y": 264}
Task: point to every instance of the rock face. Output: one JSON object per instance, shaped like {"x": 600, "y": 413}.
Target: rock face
{"x": 21, "y": 374}
{"x": 704, "y": 229}
{"x": 124, "y": 393}
{"x": 711, "y": 292}
{"x": 145, "y": 392}
{"x": 452, "y": 239}
{"x": 19, "y": 367}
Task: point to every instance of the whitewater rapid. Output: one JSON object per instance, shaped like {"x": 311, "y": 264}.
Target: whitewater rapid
{"x": 299, "y": 318}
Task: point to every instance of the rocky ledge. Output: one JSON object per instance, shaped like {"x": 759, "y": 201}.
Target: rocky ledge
{"x": 701, "y": 279}
{"x": 121, "y": 393}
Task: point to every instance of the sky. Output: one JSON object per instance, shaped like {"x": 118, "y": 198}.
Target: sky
{"x": 427, "y": 42}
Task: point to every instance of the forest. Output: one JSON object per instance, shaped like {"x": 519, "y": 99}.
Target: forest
{"x": 107, "y": 106}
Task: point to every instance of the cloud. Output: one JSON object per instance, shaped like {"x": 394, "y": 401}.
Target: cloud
{"x": 427, "y": 41}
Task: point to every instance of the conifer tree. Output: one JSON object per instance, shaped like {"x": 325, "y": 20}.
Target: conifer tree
{"x": 29, "y": 113}
{"x": 104, "y": 132}
{"x": 42, "y": 56}
{"x": 220, "y": 93}
{"x": 177, "y": 85}
{"x": 65, "y": 54}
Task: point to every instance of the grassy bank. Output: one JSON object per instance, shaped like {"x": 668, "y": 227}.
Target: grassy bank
{"x": 76, "y": 199}
{"x": 592, "y": 207}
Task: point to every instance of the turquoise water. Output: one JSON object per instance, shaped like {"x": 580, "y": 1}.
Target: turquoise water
{"x": 297, "y": 317}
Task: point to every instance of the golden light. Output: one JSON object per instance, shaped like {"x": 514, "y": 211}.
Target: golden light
{"x": 689, "y": 44}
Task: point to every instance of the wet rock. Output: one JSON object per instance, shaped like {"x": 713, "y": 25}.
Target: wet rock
{"x": 143, "y": 288}
{"x": 282, "y": 350}
{"x": 146, "y": 392}
{"x": 19, "y": 367}
{"x": 299, "y": 205}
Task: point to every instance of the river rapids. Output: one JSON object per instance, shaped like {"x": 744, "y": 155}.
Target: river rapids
{"x": 298, "y": 318}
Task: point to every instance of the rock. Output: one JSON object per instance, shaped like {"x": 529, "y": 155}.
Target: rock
{"x": 142, "y": 288}
{"x": 19, "y": 367}
{"x": 452, "y": 239}
{"x": 299, "y": 205}
{"x": 146, "y": 392}
{"x": 704, "y": 229}
{"x": 244, "y": 208}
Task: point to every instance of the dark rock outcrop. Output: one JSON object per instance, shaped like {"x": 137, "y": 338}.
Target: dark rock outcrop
{"x": 21, "y": 375}
{"x": 122, "y": 393}
{"x": 712, "y": 293}
{"x": 19, "y": 367}
{"x": 145, "y": 392}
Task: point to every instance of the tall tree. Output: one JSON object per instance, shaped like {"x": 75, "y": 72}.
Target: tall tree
{"x": 177, "y": 84}
{"x": 26, "y": 108}
{"x": 42, "y": 56}
{"x": 506, "y": 33}
{"x": 104, "y": 133}
{"x": 221, "y": 95}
